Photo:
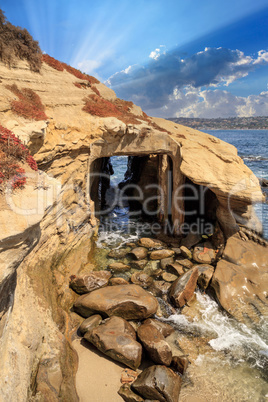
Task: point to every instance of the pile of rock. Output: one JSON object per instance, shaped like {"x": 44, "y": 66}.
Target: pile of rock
{"x": 118, "y": 305}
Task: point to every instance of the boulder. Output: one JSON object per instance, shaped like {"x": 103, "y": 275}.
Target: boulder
{"x": 141, "y": 279}
{"x": 90, "y": 323}
{"x": 87, "y": 283}
{"x": 185, "y": 252}
{"x": 204, "y": 253}
{"x": 151, "y": 243}
{"x": 241, "y": 280}
{"x": 128, "y": 395}
{"x": 140, "y": 253}
{"x": 130, "y": 302}
{"x": 177, "y": 250}
{"x": 118, "y": 267}
{"x": 158, "y": 383}
{"x": 160, "y": 254}
{"x": 155, "y": 344}
{"x": 139, "y": 264}
{"x": 182, "y": 290}
{"x": 164, "y": 328}
{"x": 116, "y": 338}
{"x": 117, "y": 254}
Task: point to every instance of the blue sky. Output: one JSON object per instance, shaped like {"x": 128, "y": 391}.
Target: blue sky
{"x": 187, "y": 58}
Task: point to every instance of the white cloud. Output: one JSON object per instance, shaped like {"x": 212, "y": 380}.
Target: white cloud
{"x": 152, "y": 86}
{"x": 194, "y": 102}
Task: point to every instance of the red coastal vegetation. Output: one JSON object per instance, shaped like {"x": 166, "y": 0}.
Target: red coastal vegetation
{"x": 13, "y": 152}
{"x": 29, "y": 104}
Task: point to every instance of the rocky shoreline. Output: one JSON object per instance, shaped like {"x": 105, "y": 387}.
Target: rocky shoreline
{"x": 126, "y": 307}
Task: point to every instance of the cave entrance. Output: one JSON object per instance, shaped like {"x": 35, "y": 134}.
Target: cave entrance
{"x": 131, "y": 188}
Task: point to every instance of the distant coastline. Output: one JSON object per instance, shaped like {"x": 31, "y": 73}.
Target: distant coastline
{"x": 230, "y": 123}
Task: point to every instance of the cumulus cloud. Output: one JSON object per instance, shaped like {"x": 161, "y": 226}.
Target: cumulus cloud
{"x": 194, "y": 102}
{"x": 168, "y": 75}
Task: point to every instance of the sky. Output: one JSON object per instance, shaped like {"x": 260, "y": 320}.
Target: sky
{"x": 174, "y": 58}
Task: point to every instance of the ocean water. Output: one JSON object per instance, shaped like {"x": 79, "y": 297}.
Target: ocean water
{"x": 252, "y": 146}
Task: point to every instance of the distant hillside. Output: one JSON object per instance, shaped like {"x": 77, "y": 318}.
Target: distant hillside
{"x": 231, "y": 123}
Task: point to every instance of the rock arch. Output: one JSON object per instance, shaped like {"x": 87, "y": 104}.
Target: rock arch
{"x": 135, "y": 144}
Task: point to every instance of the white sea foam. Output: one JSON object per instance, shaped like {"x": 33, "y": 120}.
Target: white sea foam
{"x": 228, "y": 335}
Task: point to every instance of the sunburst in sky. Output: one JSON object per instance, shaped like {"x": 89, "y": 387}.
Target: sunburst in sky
{"x": 174, "y": 57}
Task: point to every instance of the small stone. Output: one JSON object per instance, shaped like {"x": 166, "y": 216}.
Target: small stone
{"x": 128, "y": 395}
{"x": 185, "y": 252}
{"x": 128, "y": 376}
{"x": 177, "y": 250}
{"x": 176, "y": 269}
{"x": 139, "y": 264}
{"x": 185, "y": 263}
{"x": 151, "y": 243}
{"x": 132, "y": 245}
{"x": 118, "y": 254}
{"x": 160, "y": 254}
{"x": 89, "y": 323}
{"x": 204, "y": 253}
{"x": 118, "y": 281}
{"x": 119, "y": 267}
{"x": 165, "y": 261}
{"x": 169, "y": 277}
{"x": 141, "y": 279}
{"x": 140, "y": 253}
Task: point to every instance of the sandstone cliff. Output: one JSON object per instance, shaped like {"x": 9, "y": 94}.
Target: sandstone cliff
{"x": 41, "y": 250}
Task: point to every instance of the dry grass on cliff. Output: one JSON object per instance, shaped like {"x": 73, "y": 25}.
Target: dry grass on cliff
{"x": 28, "y": 105}
{"x": 17, "y": 43}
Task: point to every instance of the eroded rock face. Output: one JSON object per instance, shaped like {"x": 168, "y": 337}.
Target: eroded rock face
{"x": 87, "y": 283}
{"x": 158, "y": 383}
{"x": 155, "y": 344}
{"x": 241, "y": 280}
{"x": 117, "y": 339}
{"x": 130, "y": 302}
